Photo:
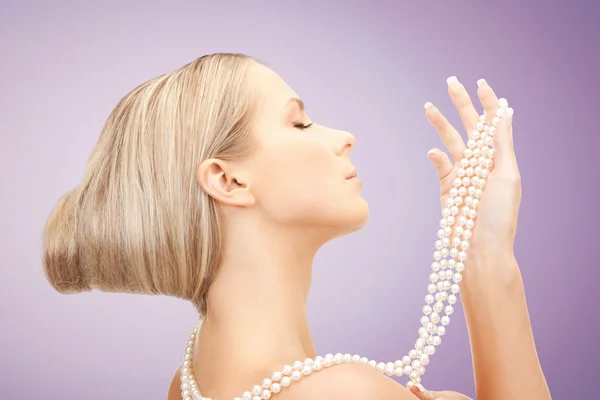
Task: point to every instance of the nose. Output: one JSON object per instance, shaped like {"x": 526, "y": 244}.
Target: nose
{"x": 348, "y": 142}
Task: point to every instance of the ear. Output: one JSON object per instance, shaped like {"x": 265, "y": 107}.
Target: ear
{"x": 224, "y": 182}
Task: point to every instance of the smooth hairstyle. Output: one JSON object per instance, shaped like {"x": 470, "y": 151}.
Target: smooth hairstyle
{"x": 140, "y": 222}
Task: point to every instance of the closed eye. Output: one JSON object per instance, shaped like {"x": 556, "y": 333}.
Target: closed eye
{"x": 303, "y": 126}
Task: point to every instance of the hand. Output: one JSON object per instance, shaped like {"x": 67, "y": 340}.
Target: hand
{"x": 444, "y": 395}
{"x": 496, "y": 222}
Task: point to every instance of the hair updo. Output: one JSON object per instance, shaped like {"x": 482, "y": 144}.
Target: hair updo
{"x": 140, "y": 222}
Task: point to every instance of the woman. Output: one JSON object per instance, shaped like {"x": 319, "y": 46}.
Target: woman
{"x": 211, "y": 184}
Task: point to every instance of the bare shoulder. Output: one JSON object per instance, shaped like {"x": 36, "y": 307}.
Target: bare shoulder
{"x": 174, "y": 392}
{"x": 347, "y": 382}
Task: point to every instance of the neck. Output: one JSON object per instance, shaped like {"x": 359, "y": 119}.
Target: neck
{"x": 257, "y": 308}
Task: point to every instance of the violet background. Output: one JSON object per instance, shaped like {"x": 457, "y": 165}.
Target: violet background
{"x": 364, "y": 66}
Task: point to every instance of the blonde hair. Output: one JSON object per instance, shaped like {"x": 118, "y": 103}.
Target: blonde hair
{"x": 140, "y": 222}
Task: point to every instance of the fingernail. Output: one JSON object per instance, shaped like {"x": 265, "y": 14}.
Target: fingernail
{"x": 427, "y": 105}
{"x": 481, "y": 82}
{"x": 430, "y": 152}
{"x": 451, "y": 80}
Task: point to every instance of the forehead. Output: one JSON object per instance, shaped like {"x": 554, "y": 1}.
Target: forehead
{"x": 273, "y": 93}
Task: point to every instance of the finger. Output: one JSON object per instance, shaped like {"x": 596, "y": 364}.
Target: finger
{"x": 450, "y": 136}
{"x": 461, "y": 100}
{"x": 422, "y": 394}
{"x": 504, "y": 145}
{"x": 488, "y": 99}
{"x": 441, "y": 162}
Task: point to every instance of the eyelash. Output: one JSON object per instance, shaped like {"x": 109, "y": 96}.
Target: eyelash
{"x": 302, "y": 126}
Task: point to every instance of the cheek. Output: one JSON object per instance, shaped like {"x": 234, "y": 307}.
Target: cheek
{"x": 299, "y": 181}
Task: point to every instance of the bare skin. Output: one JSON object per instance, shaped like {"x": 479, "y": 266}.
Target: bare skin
{"x": 279, "y": 207}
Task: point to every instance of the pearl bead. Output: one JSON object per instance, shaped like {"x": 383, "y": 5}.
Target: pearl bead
{"x": 276, "y": 388}
{"x": 277, "y": 375}
{"x": 296, "y": 375}
{"x": 286, "y": 381}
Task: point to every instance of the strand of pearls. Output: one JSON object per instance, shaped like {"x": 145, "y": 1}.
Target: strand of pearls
{"x": 456, "y": 226}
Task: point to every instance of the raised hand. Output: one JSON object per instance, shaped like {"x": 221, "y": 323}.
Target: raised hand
{"x": 499, "y": 205}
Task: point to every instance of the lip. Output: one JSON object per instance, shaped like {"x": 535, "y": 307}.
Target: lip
{"x": 352, "y": 174}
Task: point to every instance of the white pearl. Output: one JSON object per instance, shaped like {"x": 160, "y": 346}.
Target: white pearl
{"x": 449, "y": 310}
{"x": 265, "y": 394}
{"x": 398, "y": 371}
{"x": 429, "y": 299}
{"x": 445, "y": 320}
{"x": 256, "y": 389}
{"x": 296, "y": 375}
{"x": 452, "y": 299}
{"x": 277, "y": 375}
{"x": 413, "y": 353}
{"x": 276, "y": 388}
{"x": 287, "y": 370}
{"x": 247, "y": 396}
{"x": 266, "y": 383}
{"x": 317, "y": 365}
{"x": 364, "y": 360}
{"x": 297, "y": 365}
{"x": 431, "y": 327}
{"x": 286, "y": 381}
{"x": 441, "y": 330}
{"x": 419, "y": 344}
{"x": 372, "y": 364}
{"x": 306, "y": 370}
{"x": 380, "y": 367}
{"x": 427, "y": 310}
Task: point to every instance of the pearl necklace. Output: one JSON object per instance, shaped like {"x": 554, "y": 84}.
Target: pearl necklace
{"x": 447, "y": 266}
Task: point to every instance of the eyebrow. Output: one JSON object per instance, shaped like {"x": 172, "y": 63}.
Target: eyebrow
{"x": 297, "y": 101}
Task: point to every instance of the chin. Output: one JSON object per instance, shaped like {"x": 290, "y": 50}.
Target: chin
{"x": 356, "y": 217}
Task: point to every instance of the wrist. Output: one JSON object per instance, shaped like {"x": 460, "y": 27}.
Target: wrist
{"x": 492, "y": 269}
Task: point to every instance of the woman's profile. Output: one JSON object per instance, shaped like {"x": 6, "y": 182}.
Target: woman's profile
{"x": 211, "y": 184}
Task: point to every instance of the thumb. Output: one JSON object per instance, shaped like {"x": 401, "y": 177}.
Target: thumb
{"x": 503, "y": 141}
{"x": 441, "y": 162}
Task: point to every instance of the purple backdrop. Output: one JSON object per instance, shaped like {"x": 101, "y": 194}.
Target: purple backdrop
{"x": 367, "y": 68}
